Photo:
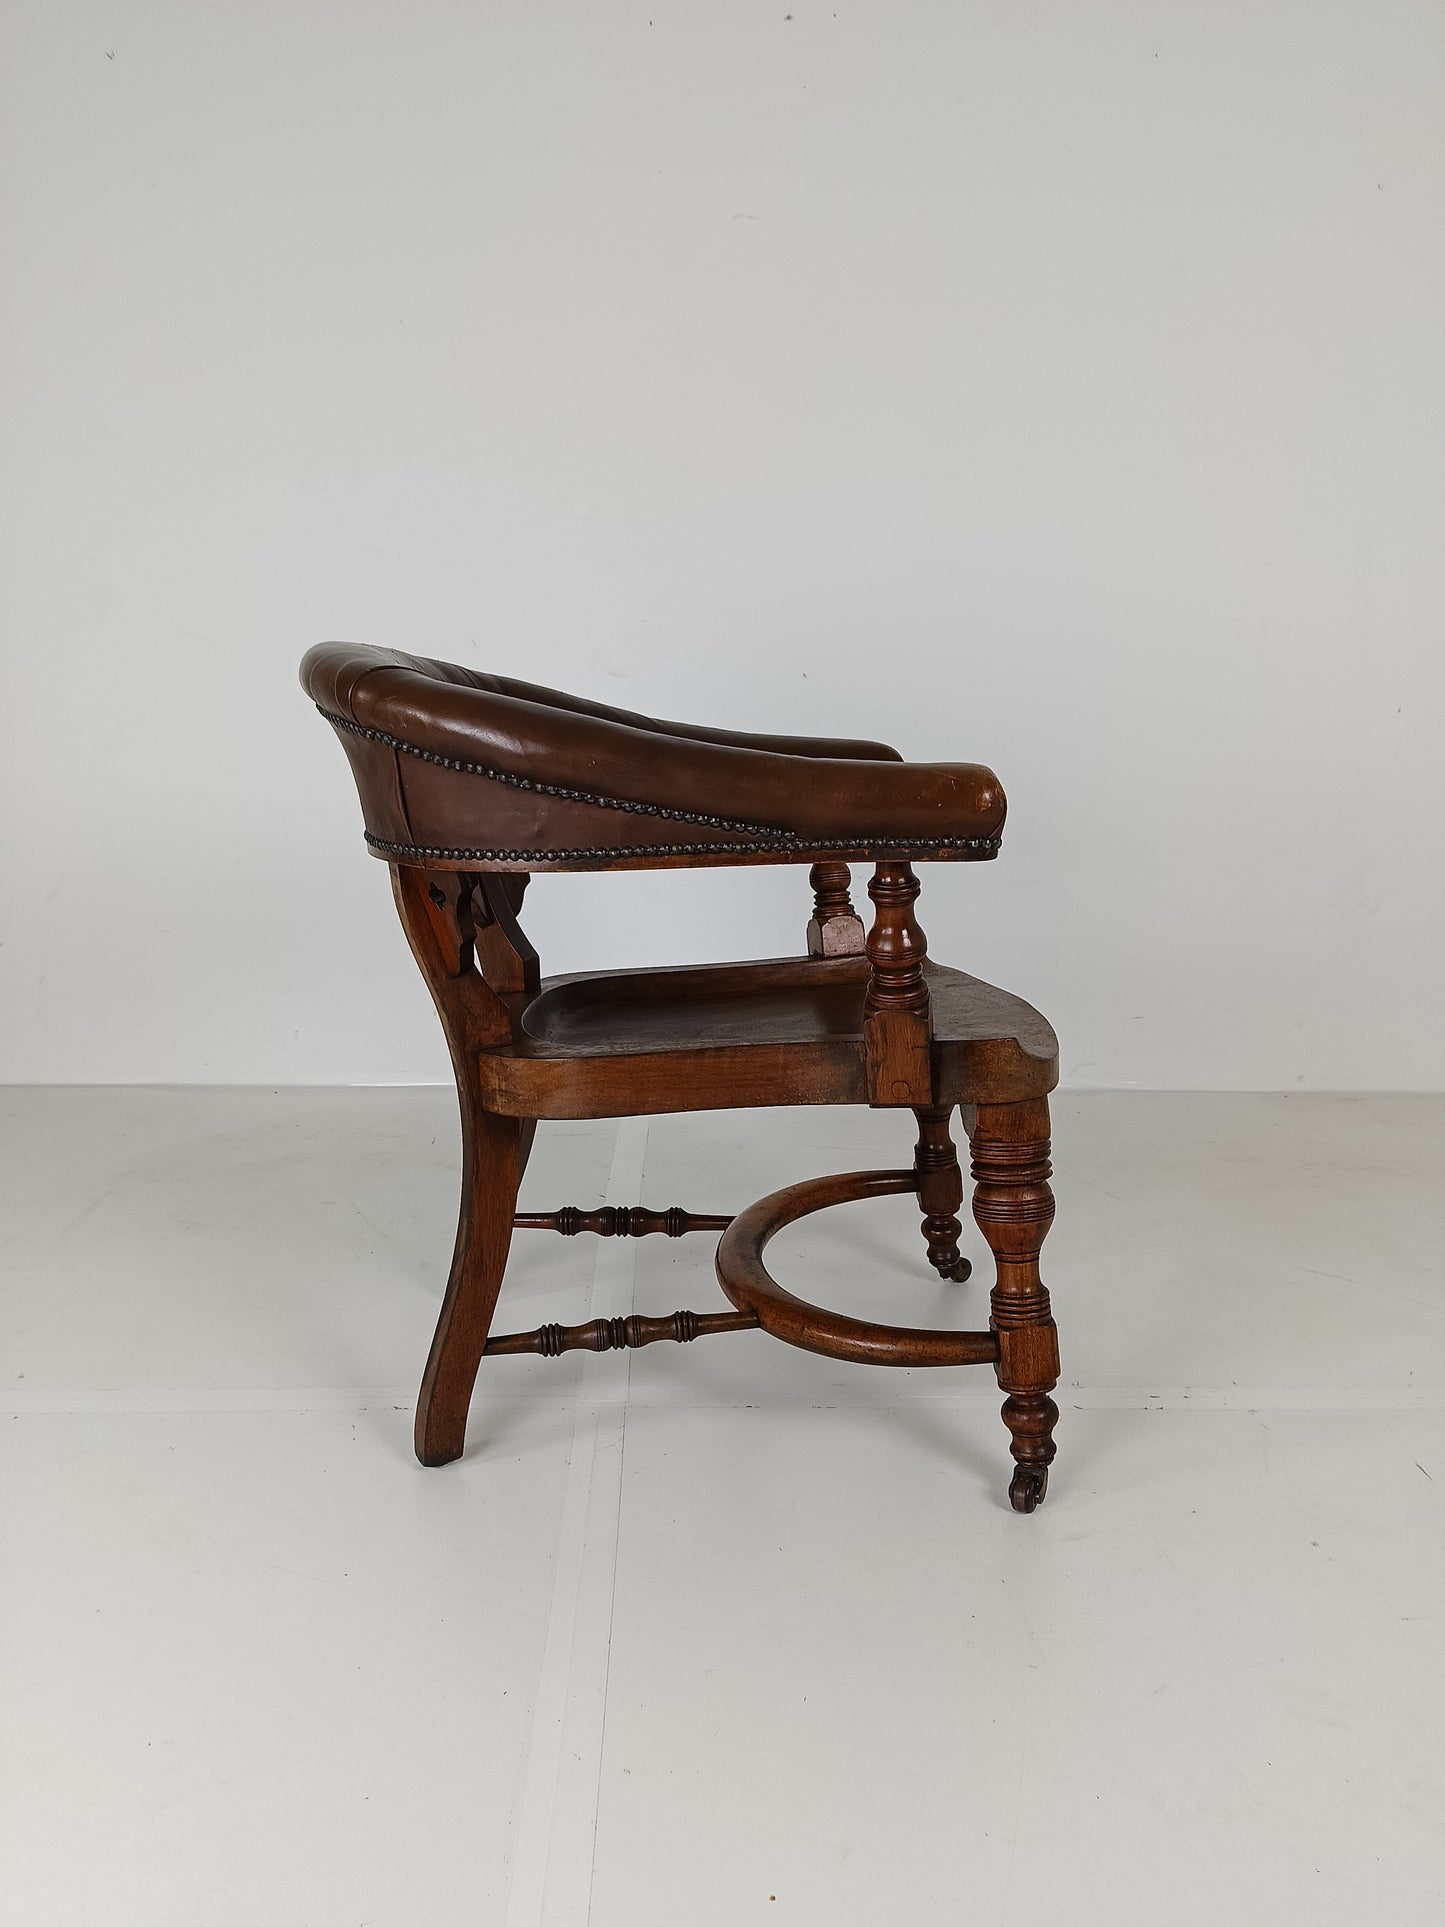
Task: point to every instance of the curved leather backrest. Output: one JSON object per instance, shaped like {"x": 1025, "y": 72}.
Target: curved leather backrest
{"x": 455, "y": 765}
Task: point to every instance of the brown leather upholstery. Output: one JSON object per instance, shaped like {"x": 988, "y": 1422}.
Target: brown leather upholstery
{"x": 454, "y": 766}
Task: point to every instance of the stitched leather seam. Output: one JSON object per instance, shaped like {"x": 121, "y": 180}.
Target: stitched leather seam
{"x": 555, "y": 789}
{"x": 983, "y": 846}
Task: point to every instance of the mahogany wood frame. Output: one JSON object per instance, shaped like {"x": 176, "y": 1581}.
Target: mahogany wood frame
{"x": 861, "y": 1018}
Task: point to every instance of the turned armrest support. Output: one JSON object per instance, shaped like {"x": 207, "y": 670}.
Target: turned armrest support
{"x": 835, "y": 928}
{"x": 897, "y": 1019}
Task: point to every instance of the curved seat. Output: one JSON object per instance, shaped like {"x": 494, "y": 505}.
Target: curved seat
{"x": 789, "y": 1030}
{"x": 454, "y": 766}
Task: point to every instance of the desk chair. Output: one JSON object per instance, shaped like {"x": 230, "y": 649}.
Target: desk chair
{"x": 471, "y": 782}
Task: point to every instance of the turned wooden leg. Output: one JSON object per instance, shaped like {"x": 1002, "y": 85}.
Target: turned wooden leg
{"x": 494, "y": 1154}
{"x": 940, "y": 1191}
{"x": 836, "y": 929}
{"x": 1014, "y": 1208}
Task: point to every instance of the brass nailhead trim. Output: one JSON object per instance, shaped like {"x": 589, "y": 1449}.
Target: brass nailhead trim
{"x": 771, "y": 840}
{"x": 551, "y": 789}
{"x": 983, "y": 846}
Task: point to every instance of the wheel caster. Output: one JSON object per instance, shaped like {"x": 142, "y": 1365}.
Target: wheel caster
{"x": 959, "y": 1273}
{"x": 1028, "y": 1486}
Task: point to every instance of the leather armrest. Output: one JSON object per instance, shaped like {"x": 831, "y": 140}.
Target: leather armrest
{"x": 450, "y": 727}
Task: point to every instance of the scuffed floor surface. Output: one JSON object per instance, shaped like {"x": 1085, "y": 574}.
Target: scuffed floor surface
{"x": 722, "y": 1633}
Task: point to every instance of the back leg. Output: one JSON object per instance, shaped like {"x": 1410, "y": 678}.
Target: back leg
{"x": 1014, "y": 1207}
{"x": 452, "y": 921}
{"x": 940, "y": 1191}
{"x": 494, "y": 1153}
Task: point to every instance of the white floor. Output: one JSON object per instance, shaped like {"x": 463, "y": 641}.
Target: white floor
{"x": 720, "y": 1633}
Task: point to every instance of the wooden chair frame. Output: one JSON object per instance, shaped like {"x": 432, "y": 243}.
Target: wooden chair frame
{"x": 858, "y": 1019}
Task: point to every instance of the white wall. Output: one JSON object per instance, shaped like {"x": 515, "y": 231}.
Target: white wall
{"x": 1055, "y": 385}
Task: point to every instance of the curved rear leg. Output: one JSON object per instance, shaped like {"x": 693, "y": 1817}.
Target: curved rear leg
{"x": 940, "y": 1191}
{"x": 451, "y": 919}
{"x": 494, "y": 1153}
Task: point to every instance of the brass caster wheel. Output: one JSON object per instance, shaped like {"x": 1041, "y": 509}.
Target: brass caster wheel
{"x": 959, "y": 1273}
{"x": 1028, "y": 1486}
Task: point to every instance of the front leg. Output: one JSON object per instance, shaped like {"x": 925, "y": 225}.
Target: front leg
{"x": 1014, "y": 1208}
{"x": 897, "y": 1010}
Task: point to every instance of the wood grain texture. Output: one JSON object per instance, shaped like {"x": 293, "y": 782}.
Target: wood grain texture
{"x": 438, "y": 917}
{"x": 940, "y": 1192}
{"x": 813, "y": 1029}
{"x": 1014, "y": 1207}
{"x": 721, "y": 1036}
{"x": 751, "y": 1286}
{"x": 897, "y": 1018}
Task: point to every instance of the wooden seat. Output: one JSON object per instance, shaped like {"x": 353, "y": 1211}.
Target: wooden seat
{"x": 470, "y": 782}
{"x": 787, "y": 1031}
